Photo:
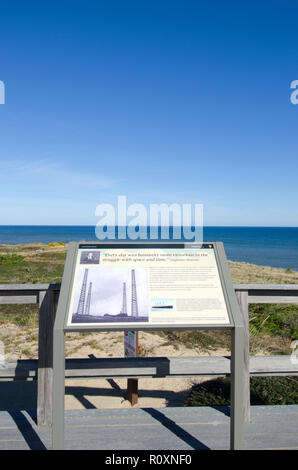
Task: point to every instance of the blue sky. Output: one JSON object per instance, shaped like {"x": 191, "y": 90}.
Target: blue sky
{"x": 162, "y": 101}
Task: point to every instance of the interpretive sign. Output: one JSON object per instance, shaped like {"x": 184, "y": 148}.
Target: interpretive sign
{"x": 155, "y": 286}
{"x": 146, "y": 286}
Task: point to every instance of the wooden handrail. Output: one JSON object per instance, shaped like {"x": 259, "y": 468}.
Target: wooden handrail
{"x": 46, "y": 295}
{"x": 152, "y": 367}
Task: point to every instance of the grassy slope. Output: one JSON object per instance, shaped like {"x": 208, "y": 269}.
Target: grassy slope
{"x": 41, "y": 264}
{"x": 244, "y": 273}
{"x": 45, "y": 263}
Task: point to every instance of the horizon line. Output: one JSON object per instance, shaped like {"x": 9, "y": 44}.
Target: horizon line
{"x": 159, "y": 226}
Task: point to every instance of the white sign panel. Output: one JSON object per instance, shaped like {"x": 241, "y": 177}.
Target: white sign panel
{"x": 147, "y": 286}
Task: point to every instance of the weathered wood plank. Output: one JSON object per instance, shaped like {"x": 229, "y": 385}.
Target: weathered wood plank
{"x": 272, "y": 299}
{"x": 257, "y": 293}
{"x": 242, "y": 297}
{"x": 45, "y": 357}
{"x": 24, "y": 293}
{"x": 22, "y": 368}
{"x": 14, "y": 299}
{"x": 273, "y": 365}
{"x": 154, "y": 367}
{"x": 33, "y": 287}
{"x": 248, "y": 287}
{"x": 238, "y": 287}
{"x": 45, "y": 286}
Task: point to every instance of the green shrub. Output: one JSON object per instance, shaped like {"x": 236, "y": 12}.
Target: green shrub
{"x": 263, "y": 391}
{"x": 21, "y": 315}
{"x": 11, "y": 259}
{"x": 274, "y": 319}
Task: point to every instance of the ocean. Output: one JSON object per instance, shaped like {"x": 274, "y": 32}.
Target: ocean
{"x": 265, "y": 246}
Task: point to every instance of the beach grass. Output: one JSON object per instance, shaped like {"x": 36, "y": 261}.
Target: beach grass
{"x": 45, "y": 263}
{"x": 37, "y": 264}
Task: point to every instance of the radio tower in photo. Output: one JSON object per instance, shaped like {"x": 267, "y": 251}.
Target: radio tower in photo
{"x": 124, "y": 302}
{"x": 87, "y": 309}
{"x": 134, "y": 300}
{"x": 81, "y": 304}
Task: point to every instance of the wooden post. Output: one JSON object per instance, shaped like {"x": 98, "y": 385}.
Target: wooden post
{"x": 132, "y": 384}
{"x": 242, "y": 297}
{"x": 132, "y": 391}
{"x": 45, "y": 358}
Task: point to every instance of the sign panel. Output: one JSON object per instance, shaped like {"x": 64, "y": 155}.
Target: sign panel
{"x": 130, "y": 344}
{"x": 131, "y": 286}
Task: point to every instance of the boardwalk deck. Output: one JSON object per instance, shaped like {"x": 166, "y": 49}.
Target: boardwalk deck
{"x": 271, "y": 427}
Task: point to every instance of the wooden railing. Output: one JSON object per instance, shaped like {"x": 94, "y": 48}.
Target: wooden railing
{"x": 46, "y": 296}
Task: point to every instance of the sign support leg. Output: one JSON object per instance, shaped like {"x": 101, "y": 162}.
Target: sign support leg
{"x": 132, "y": 390}
{"x": 237, "y": 389}
{"x": 58, "y": 390}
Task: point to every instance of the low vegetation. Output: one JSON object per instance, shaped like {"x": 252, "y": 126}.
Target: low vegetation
{"x": 25, "y": 264}
{"x": 263, "y": 391}
{"x": 273, "y": 319}
{"x": 19, "y": 315}
{"x": 7, "y": 259}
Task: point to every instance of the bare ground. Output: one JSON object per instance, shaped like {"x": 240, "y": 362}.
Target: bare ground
{"x": 21, "y": 342}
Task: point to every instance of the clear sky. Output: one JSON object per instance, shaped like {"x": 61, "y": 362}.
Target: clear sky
{"x": 162, "y": 101}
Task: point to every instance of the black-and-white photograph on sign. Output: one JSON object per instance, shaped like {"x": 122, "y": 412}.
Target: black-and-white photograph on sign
{"x": 110, "y": 294}
{"x": 122, "y": 287}
{"x": 90, "y": 257}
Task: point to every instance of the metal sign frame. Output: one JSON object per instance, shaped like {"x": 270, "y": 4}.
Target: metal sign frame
{"x": 236, "y": 326}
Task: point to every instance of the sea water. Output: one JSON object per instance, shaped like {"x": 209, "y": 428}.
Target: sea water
{"x": 265, "y": 246}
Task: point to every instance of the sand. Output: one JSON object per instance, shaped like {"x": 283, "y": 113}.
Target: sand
{"x": 110, "y": 393}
